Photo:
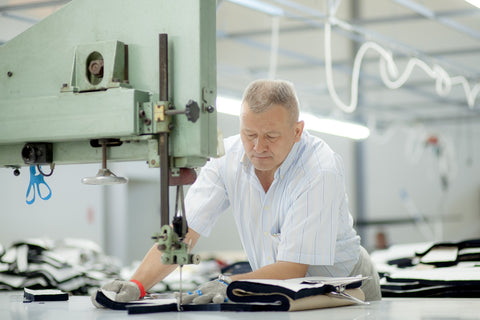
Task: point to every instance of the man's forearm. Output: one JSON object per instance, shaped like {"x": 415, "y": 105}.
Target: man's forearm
{"x": 152, "y": 270}
{"x": 279, "y": 270}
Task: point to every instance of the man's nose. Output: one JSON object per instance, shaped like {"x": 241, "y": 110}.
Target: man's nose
{"x": 260, "y": 145}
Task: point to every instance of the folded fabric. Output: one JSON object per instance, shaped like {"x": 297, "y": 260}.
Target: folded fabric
{"x": 442, "y": 269}
{"x": 446, "y": 254}
{"x": 71, "y": 265}
{"x": 439, "y": 276}
{"x": 30, "y": 295}
{"x": 298, "y": 294}
{"x": 15, "y": 282}
{"x": 459, "y": 281}
{"x": 259, "y": 295}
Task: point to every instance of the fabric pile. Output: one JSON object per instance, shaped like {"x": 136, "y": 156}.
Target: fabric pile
{"x": 79, "y": 267}
{"x": 444, "y": 269}
{"x": 76, "y": 266}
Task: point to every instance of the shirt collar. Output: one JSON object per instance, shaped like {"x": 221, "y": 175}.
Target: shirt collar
{"x": 287, "y": 163}
{"x": 245, "y": 162}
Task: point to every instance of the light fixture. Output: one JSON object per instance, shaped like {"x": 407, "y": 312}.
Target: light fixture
{"x": 345, "y": 129}
{"x": 229, "y": 106}
{"x": 335, "y": 127}
{"x": 475, "y": 3}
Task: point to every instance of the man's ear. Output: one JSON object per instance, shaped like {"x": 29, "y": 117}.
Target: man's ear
{"x": 299, "y": 130}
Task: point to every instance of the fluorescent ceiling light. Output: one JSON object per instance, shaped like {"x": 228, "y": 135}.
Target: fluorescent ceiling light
{"x": 335, "y": 127}
{"x": 345, "y": 129}
{"x": 229, "y": 106}
{"x": 260, "y": 6}
{"x": 475, "y": 3}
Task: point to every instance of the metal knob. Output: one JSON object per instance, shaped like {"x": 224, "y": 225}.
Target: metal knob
{"x": 192, "y": 111}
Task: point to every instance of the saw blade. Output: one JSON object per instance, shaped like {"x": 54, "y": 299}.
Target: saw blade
{"x": 179, "y": 301}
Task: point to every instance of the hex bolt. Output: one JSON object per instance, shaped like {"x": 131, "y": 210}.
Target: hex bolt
{"x": 210, "y": 109}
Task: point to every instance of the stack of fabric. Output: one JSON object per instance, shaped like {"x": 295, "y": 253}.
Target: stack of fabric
{"x": 444, "y": 269}
{"x": 79, "y": 267}
{"x": 71, "y": 265}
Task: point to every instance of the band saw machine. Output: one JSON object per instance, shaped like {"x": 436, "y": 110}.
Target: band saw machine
{"x": 115, "y": 80}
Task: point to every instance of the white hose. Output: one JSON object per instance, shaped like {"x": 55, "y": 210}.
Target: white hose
{"x": 390, "y": 75}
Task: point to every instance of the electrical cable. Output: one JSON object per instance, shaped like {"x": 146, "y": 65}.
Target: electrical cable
{"x": 52, "y": 167}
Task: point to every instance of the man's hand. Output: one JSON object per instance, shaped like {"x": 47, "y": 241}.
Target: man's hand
{"x": 213, "y": 291}
{"x": 125, "y": 291}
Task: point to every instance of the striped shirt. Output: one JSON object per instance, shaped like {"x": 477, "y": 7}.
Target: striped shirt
{"x": 302, "y": 218}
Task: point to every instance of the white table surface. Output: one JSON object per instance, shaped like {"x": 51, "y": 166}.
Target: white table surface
{"x": 80, "y": 307}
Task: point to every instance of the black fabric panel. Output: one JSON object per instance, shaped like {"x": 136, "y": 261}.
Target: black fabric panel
{"x": 434, "y": 292}
{"x": 110, "y": 304}
{"x": 237, "y": 307}
{"x": 437, "y": 282}
{"x": 30, "y": 297}
{"x": 472, "y": 243}
{"x": 133, "y": 308}
{"x": 267, "y": 289}
{"x": 140, "y": 308}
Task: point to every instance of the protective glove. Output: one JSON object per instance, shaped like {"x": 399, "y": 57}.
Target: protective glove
{"x": 213, "y": 291}
{"x": 125, "y": 291}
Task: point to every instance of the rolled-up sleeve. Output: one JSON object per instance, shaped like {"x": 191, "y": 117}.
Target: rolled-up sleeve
{"x": 206, "y": 199}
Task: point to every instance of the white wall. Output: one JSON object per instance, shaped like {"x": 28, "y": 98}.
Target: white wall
{"x": 74, "y": 209}
{"x": 453, "y": 214}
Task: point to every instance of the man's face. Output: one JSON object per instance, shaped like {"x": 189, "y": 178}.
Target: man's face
{"x": 268, "y": 137}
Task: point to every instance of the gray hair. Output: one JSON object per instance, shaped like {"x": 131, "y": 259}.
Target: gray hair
{"x": 262, "y": 94}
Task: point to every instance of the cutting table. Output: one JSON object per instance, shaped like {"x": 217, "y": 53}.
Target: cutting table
{"x": 80, "y": 307}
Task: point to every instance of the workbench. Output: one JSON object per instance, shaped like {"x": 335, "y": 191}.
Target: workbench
{"x": 80, "y": 307}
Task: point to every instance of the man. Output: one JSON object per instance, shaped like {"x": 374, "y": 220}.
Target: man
{"x": 287, "y": 192}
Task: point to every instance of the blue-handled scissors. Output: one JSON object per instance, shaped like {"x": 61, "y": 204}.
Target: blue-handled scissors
{"x": 37, "y": 181}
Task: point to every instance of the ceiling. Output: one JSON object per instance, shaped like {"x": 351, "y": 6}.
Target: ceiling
{"x": 287, "y": 39}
